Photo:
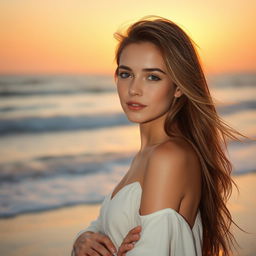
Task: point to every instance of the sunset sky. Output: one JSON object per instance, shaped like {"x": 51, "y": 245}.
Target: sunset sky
{"x": 76, "y": 36}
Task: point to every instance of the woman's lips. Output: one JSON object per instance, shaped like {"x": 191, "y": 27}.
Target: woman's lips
{"x": 135, "y": 106}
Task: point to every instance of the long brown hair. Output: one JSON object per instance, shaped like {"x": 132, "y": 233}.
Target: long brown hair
{"x": 198, "y": 121}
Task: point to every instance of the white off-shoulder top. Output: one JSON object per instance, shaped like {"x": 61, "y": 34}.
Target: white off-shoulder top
{"x": 164, "y": 232}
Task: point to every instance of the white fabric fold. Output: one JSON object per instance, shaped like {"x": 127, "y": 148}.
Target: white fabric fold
{"x": 166, "y": 233}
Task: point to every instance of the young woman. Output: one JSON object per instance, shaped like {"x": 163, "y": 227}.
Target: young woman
{"x": 172, "y": 200}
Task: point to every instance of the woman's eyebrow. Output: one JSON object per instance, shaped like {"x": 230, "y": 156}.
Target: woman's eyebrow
{"x": 153, "y": 69}
{"x": 144, "y": 69}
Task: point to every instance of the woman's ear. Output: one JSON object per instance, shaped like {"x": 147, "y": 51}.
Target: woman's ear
{"x": 178, "y": 92}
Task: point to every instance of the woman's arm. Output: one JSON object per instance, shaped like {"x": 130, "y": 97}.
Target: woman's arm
{"x": 172, "y": 180}
{"x": 93, "y": 238}
{"x": 169, "y": 203}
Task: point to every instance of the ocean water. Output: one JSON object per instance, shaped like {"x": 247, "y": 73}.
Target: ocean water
{"x": 64, "y": 140}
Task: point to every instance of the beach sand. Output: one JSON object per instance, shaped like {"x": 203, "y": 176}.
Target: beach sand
{"x": 52, "y": 232}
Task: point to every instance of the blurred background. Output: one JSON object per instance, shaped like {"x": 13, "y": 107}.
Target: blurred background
{"x": 64, "y": 140}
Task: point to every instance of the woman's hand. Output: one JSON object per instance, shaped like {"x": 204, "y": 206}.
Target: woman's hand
{"x": 93, "y": 244}
{"x": 128, "y": 243}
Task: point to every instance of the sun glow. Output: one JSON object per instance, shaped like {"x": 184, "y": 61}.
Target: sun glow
{"x": 77, "y": 36}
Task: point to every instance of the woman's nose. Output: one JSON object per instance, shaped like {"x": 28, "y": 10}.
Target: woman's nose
{"x": 135, "y": 87}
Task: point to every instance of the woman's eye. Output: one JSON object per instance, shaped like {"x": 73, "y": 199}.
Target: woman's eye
{"x": 153, "y": 78}
{"x": 123, "y": 74}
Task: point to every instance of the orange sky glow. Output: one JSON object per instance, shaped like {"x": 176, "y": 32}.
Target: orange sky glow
{"x": 64, "y": 36}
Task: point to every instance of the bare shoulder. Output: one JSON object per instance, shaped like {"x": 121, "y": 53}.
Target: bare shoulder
{"x": 177, "y": 157}
{"x": 172, "y": 179}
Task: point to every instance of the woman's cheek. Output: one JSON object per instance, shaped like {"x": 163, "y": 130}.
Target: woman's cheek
{"x": 120, "y": 91}
{"x": 162, "y": 99}
{"x": 122, "y": 95}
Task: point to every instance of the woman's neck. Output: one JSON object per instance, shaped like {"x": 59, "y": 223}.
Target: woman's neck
{"x": 152, "y": 133}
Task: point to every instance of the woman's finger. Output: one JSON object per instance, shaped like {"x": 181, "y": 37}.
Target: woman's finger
{"x": 124, "y": 248}
{"x": 107, "y": 242}
{"x": 132, "y": 238}
{"x": 100, "y": 248}
{"x": 91, "y": 252}
{"x": 133, "y": 235}
{"x": 128, "y": 243}
{"x": 135, "y": 230}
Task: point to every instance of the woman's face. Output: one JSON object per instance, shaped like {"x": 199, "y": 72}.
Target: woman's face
{"x": 142, "y": 77}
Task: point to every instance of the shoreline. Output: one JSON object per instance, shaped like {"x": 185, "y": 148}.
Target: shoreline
{"x": 51, "y": 232}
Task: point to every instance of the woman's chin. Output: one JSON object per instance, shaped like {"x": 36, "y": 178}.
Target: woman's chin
{"x": 134, "y": 119}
